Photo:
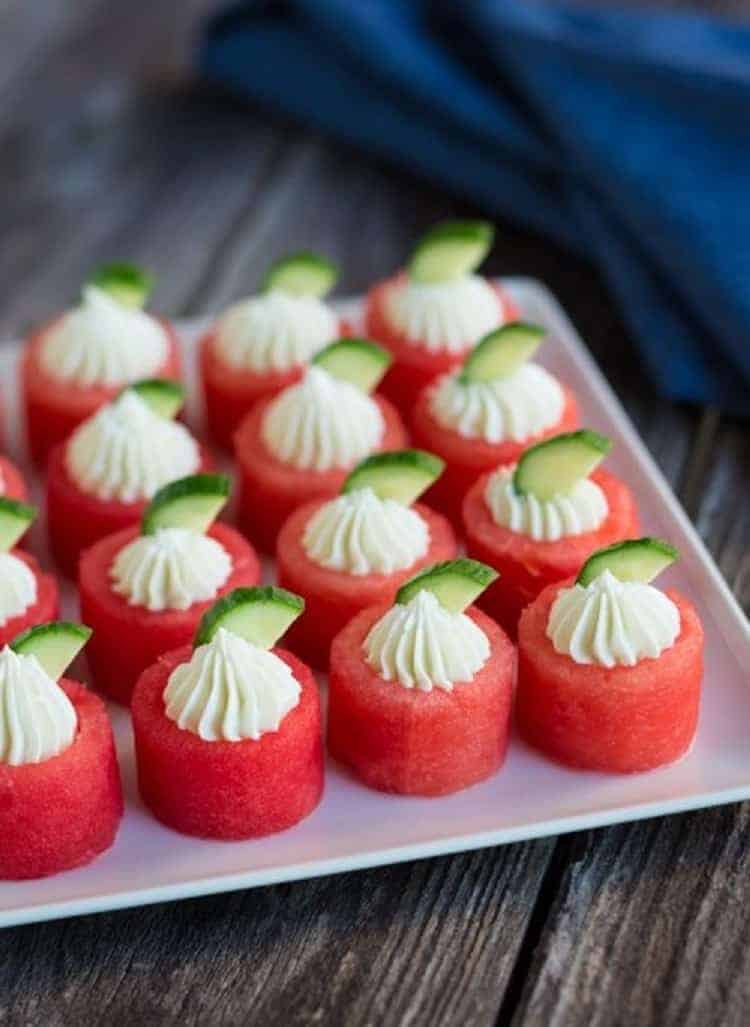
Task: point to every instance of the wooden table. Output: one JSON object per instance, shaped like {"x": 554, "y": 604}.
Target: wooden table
{"x": 103, "y": 156}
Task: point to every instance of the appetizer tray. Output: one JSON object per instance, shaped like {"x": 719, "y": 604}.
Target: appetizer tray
{"x": 355, "y": 828}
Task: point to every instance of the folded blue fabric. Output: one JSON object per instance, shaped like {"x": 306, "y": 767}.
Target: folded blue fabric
{"x": 623, "y": 135}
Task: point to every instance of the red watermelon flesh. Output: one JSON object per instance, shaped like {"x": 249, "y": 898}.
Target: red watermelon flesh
{"x": 466, "y": 459}
{"x": 55, "y": 408}
{"x": 619, "y": 719}
{"x": 128, "y": 639}
{"x": 65, "y": 811}
{"x": 332, "y": 597}
{"x": 229, "y": 393}
{"x": 76, "y": 520}
{"x": 12, "y": 484}
{"x": 227, "y": 790}
{"x": 411, "y": 742}
{"x": 414, "y": 366}
{"x": 526, "y": 566}
{"x": 270, "y": 490}
{"x": 46, "y": 607}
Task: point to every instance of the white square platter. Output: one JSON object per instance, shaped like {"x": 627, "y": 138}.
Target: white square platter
{"x": 354, "y": 828}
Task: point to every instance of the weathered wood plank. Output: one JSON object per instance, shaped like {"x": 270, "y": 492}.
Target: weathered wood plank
{"x": 649, "y": 928}
{"x": 429, "y": 942}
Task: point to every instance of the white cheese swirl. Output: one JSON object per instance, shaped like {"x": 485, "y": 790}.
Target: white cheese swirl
{"x": 358, "y": 533}
{"x": 170, "y": 570}
{"x": 18, "y": 589}
{"x": 582, "y": 508}
{"x": 274, "y": 332}
{"x": 612, "y": 623}
{"x": 445, "y": 316}
{"x": 509, "y": 409}
{"x": 37, "y": 719}
{"x": 322, "y": 423}
{"x": 102, "y": 342}
{"x": 126, "y": 452}
{"x": 230, "y": 690}
{"x": 421, "y": 645}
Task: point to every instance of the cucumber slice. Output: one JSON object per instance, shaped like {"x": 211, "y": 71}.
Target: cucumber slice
{"x": 501, "y": 352}
{"x": 639, "y": 559}
{"x": 555, "y": 465}
{"x": 302, "y": 274}
{"x": 126, "y": 283}
{"x": 455, "y": 583}
{"x": 164, "y": 397}
{"x": 15, "y": 518}
{"x": 193, "y": 503}
{"x": 55, "y": 645}
{"x": 358, "y": 361}
{"x": 450, "y": 250}
{"x": 402, "y": 475}
{"x": 260, "y": 615}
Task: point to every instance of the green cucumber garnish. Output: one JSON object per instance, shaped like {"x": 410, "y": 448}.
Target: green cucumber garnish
{"x": 455, "y": 583}
{"x": 192, "y": 503}
{"x": 260, "y": 615}
{"x": 302, "y": 274}
{"x": 501, "y": 352}
{"x": 357, "y": 361}
{"x": 126, "y": 283}
{"x": 402, "y": 475}
{"x": 15, "y": 519}
{"x": 163, "y": 396}
{"x": 450, "y": 250}
{"x": 55, "y": 645}
{"x": 555, "y": 465}
{"x": 639, "y": 559}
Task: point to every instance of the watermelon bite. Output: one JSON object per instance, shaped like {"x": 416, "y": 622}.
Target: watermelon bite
{"x": 229, "y": 393}
{"x": 527, "y": 566}
{"x": 414, "y": 366}
{"x": 270, "y": 490}
{"x": 76, "y": 520}
{"x": 46, "y": 607}
{"x": 227, "y": 790}
{"x": 63, "y": 812}
{"x": 333, "y": 597}
{"x": 620, "y": 719}
{"x": 468, "y": 458}
{"x": 411, "y": 742}
{"x": 53, "y": 409}
{"x": 128, "y": 639}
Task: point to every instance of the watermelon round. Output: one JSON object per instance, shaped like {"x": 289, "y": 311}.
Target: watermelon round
{"x": 229, "y": 393}
{"x": 128, "y": 639}
{"x": 46, "y": 607}
{"x": 12, "y": 484}
{"x": 54, "y": 408}
{"x": 227, "y": 790}
{"x": 270, "y": 490}
{"x": 65, "y": 811}
{"x": 618, "y": 719}
{"x": 332, "y": 597}
{"x": 466, "y": 459}
{"x": 76, "y": 520}
{"x": 411, "y": 742}
{"x": 527, "y": 566}
{"x": 414, "y": 366}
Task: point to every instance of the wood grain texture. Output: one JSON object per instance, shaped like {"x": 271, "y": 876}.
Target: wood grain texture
{"x": 104, "y": 155}
{"x": 365, "y": 948}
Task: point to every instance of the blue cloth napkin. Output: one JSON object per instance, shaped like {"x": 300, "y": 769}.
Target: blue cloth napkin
{"x": 624, "y": 135}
